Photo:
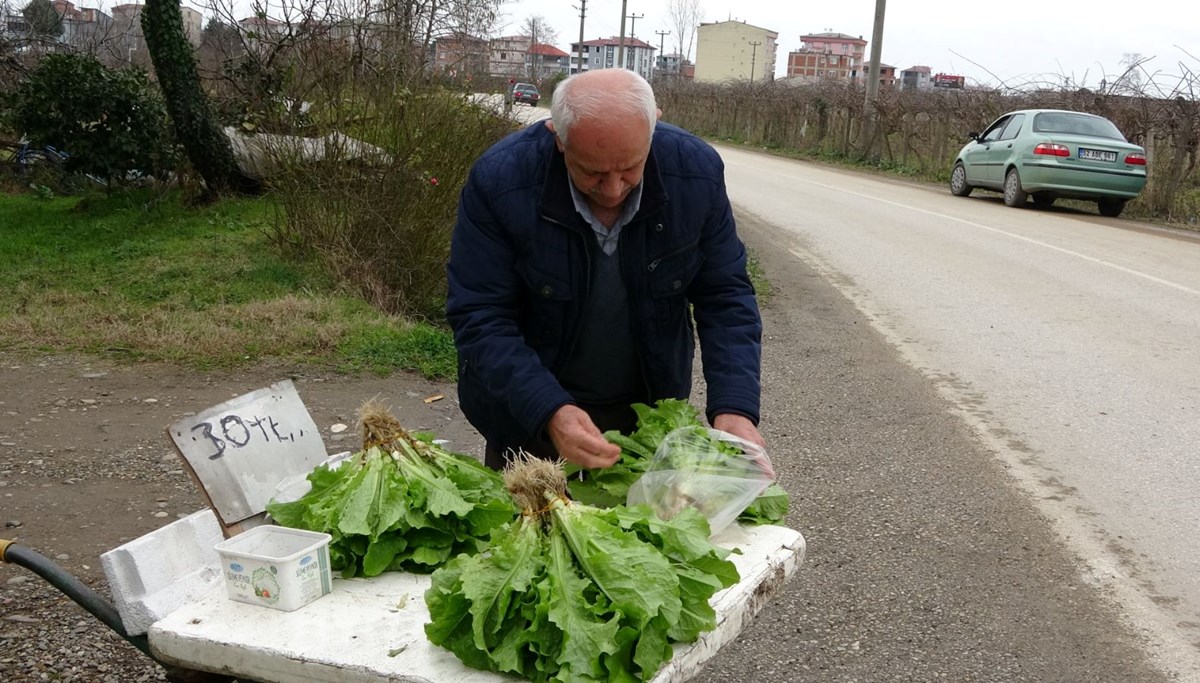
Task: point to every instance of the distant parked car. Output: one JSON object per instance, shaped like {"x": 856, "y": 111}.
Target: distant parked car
{"x": 1049, "y": 154}
{"x": 527, "y": 93}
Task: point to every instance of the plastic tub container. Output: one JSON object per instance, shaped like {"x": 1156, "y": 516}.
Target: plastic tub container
{"x": 276, "y": 566}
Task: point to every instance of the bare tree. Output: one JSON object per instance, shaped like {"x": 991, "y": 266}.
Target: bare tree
{"x": 473, "y": 17}
{"x": 540, "y": 33}
{"x": 381, "y": 35}
{"x": 42, "y": 18}
{"x": 685, "y": 17}
{"x": 1131, "y": 76}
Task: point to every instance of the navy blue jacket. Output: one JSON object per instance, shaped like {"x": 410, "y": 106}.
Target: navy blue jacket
{"x": 519, "y": 278}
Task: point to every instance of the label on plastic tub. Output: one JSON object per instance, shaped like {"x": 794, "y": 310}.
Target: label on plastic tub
{"x": 276, "y": 567}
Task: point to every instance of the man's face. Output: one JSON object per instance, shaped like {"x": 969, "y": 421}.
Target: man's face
{"x": 606, "y": 159}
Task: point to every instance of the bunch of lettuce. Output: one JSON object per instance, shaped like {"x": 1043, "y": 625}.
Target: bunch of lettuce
{"x": 610, "y": 486}
{"x": 401, "y": 503}
{"x": 570, "y": 592}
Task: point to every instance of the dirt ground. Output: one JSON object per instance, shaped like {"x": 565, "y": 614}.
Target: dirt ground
{"x": 85, "y": 465}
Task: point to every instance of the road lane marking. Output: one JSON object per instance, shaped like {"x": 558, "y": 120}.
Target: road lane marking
{"x": 1122, "y": 581}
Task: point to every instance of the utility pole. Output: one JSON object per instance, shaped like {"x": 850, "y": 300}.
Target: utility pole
{"x": 753, "y": 54}
{"x": 661, "y": 57}
{"x": 869, "y": 113}
{"x": 621, "y": 45}
{"x": 582, "y": 15}
{"x": 632, "y": 35}
{"x": 633, "y": 24}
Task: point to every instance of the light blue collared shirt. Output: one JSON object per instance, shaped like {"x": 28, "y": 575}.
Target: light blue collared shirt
{"x": 604, "y": 235}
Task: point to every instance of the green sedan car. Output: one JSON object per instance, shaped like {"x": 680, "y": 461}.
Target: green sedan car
{"x": 1049, "y": 154}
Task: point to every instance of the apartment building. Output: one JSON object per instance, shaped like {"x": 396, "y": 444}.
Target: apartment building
{"x": 603, "y": 53}
{"x": 887, "y": 74}
{"x": 84, "y": 28}
{"x": 461, "y": 54}
{"x": 669, "y": 66}
{"x": 508, "y": 56}
{"x": 544, "y": 61}
{"x": 916, "y": 78}
{"x": 822, "y": 56}
{"x": 735, "y": 51}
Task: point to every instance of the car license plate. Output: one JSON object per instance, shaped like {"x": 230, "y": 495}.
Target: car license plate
{"x": 1097, "y": 155}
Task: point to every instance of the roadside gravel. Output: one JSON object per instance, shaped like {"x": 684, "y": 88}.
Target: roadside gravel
{"x": 85, "y": 466}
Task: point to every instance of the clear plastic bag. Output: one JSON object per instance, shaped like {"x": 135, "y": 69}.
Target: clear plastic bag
{"x": 293, "y": 488}
{"x": 715, "y": 472}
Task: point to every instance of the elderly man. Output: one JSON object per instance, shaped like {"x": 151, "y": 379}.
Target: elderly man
{"x": 580, "y": 244}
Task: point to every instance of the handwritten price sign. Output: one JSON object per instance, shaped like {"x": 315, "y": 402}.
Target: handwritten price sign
{"x": 239, "y": 451}
{"x": 236, "y": 431}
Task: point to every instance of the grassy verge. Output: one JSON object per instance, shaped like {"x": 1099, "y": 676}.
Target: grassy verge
{"x": 140, "y": 276}
{"x": 758, "y": 277}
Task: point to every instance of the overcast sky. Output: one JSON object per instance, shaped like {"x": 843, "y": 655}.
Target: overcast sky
{"x": 1017, "y": 40}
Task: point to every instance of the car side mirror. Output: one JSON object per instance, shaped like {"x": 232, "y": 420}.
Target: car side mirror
{"x": 973, "y": 135}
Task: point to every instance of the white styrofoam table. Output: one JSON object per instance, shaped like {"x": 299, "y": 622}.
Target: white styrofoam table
{"x": 372, "y": 630}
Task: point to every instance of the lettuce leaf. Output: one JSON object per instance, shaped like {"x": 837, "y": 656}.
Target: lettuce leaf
{"x": 609, "y": 487}
{"x": 580, "y": 594}
{"x": 412, "y": 508}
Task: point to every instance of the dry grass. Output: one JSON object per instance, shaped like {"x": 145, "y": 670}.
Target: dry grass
{"x": 201, "y": 286}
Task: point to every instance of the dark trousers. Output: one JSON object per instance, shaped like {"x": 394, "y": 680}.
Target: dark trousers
{"x": 620, "y": 417}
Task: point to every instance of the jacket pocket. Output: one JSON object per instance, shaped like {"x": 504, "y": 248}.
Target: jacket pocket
{"x": 671, "y": 274}
{"x": 543, "y": 285}
{"x": 548, "y": 297}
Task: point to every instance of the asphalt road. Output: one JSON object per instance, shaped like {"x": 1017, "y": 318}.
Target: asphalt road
{"x": 984, "y": 415}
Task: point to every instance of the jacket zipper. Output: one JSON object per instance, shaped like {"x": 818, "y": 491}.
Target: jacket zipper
{"x": 654, "y": 264}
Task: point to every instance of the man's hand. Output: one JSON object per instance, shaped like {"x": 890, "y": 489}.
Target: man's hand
{"x": 579, "y": 441}
{"x": 739, "y": 426}
{"x": 743, "y": 428}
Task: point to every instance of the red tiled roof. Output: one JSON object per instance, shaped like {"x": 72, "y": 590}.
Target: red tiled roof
{"x": 546, "y": 50}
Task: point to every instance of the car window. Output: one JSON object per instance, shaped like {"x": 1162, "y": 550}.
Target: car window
{"x": 1013, "y": 127}
{"x": 993, "y": 134}
{"x": 1072, "y": 123}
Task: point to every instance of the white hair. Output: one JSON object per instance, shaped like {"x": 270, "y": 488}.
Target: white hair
{"x": 568, "y": 106}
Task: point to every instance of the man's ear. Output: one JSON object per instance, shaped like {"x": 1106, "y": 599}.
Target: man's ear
{"x": 657, "y": 114}
{"x": 557, "y": 140}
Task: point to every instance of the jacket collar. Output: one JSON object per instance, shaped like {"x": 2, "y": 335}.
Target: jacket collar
{"x": 556, "y": 203}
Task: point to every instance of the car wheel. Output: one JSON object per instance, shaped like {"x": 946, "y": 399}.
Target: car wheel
{"x": 958, "y": 181}
{"x": 1042, "y": 201}
{"x": 1111, "y": 207}
{"x": 1013, "y": 194}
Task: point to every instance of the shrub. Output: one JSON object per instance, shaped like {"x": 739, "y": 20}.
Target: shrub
{"x": 111, "y": 122}
{"x": 382, "y": 225}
